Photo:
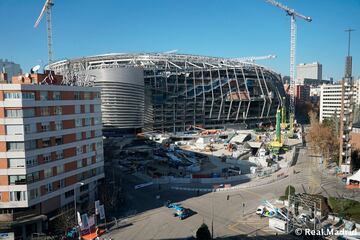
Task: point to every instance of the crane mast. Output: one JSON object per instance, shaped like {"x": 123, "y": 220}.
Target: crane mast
{"x": 47, "y": 8}
{"x": 293, "y": 14}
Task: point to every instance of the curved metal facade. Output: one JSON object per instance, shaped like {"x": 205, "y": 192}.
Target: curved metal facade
{"x": 122, "y": 96}
{"x": 177, "y": 90}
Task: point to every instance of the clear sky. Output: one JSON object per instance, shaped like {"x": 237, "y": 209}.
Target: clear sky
{"x": 226, "y": 28}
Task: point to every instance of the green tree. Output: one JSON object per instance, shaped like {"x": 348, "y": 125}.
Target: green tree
{"x": 289, "y": 189}
{"x": 203, "y": 232}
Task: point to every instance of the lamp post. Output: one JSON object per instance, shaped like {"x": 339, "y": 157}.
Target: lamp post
{"x": 75, "y": 185}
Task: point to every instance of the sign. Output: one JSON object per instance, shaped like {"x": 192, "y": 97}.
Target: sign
{"x": 79, "y": 219}
{"x": 85, "y": 221}
{"x": 97, "y": 204}
{"x": 102, "y": 212}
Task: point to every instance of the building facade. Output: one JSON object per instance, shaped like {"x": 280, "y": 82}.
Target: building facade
{"x": 10, "y": 68}
{"x": 302, "y": 94}
{"x": 310, "y": 71}
{"x": 170, "y": 92}
{"x": 330, "y": 100}
{"x": 50, "y": 144}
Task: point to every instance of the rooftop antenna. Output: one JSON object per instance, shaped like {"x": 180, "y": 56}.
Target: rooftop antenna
{"x": 349, "y": 30}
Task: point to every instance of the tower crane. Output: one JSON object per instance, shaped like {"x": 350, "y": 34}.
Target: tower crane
{"x": 253, "y": 59}
{"x": 293, "y": 14}
{"x": 47, "y": 8}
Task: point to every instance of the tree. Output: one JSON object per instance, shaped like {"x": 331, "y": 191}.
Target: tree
{"x": 323, "y": 138}
{"x": 289, "y": 189}
{"x": 203, "y": 232}
{"x": 64, "y": 221}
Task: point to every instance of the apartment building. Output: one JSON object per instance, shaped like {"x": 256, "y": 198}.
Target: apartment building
{"x": 302, "y": 94}
{"x": 51, "y": 149}
{"x": 308, "y": 72}
{"x": 330, "y": 99}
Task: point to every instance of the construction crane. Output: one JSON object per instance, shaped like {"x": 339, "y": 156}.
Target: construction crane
{"x": 293, "y": 14}
{"x": 47, "y": 8}
{"x": 253, "y": 59}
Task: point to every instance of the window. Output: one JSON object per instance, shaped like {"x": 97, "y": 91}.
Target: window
{"x": 12, "y": 95}
{"x": 98, "y": 133}
{"x": 79, "y": 163}
{"x": 17, "y": 179}
{"x": 84, "y": 187}
{"x": 32, "y": 177}
{"x": 78, "y": 136}
{"x": 99, "y": 158}
{"x": 13, "y": 113}
{"x": 59, "y": 155}
{"x": 34, "y": 193}
{"x": 97, "y": 95}
{"x": 69, "y": 193}
{"x": 31, "y": 161}
{"x": 28, "y": 112}
{"x": 14, "y": 146}
{"x": 58, "y": 110}
{"x": 60, "y": 169}
{"x": 77, "y": 96}
{"x": 47, "y": 172}
{"x": 47, "y": 158}
{"x": 30, "y": 144}
{"x": 87, "y": 108}
{"x": 97, "y": 120}
{"x": 17, "y": 196}
{"x": 97, "y": 108}
{"x": 14, "y": 130}
{"x": 79, "y": 150}
{"x": 44, "y": 111}
{"x": 59, "y": 125}
{"x": 16, "y": 162}
{"x": 56, "y": 96}
{"x": 88, "y": 161}
{"x": 62, "y": 183}
{"x": 30, "y": 128}
{"x": 78, "y": 122}
{"x": 87, "y": 95}
{"x": 45, "y": 126}
{"x": 87, "y": 121}
{"x": 77, "y": 109}
{"x": 48, "y": 187}
{"x": 87, "y": 148}
{"x": 44, "y": 96}
{"x": 88, "y": 134}
{"x": 28, "y": 95}
{"x": 58, "y": 140}
{"x": 46, "y": 142}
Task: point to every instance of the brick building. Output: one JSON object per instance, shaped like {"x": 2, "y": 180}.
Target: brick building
{"x": 50, "y": 146}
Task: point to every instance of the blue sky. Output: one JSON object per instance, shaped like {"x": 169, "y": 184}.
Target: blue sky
{"x": 226, "y": 28}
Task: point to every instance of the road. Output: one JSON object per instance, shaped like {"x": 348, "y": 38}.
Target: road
{"x": 229, "y": 218}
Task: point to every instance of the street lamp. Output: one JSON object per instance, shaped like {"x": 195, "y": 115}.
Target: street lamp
{"x": 75, "y": 185}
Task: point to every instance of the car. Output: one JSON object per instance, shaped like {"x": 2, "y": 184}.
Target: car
{"x": 260, "y": 210}
{"x": 344, "y": 179}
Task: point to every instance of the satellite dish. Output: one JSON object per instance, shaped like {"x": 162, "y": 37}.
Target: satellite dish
{"x": 35, "y": 69}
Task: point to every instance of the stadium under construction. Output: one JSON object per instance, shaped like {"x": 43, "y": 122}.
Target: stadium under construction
{"x": 169, "y": 92}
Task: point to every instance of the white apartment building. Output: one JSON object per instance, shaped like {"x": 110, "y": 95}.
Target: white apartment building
{"x": 51, "y": 149}
{"x": 330, "y": 99}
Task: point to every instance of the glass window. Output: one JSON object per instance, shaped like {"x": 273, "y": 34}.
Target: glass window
{"x": 30, "y": 144}
{"x": 99, "y": 158}
{"x": 87, "y": 95}
{"x": 46, "y": 142}
{"x": 47, "y": 157}
{"x": 14, "y": 130}
{"x": 69, "y": 193}
{"x": 29, "y": 112}
{"x": 77, "y": 95}
{"x": 87, "y": 108}
{"x": 31, "y": 161}
{"x": 97, "y": 108}
{"x": 56, "y": 95}
{"x": 30, "y": 128}
{"x": 88, "y": 134}
{"x": 59, "y": 125}
{"x": 15, "y": 146}
{"x": 60, "y": 169}
{"x": 17, "y": 196}
{"x": 97, "y": 120}
{"x": 79, "y": 163}
{"x": 78, "y": 136}
{"x": 44, "y": 95}
{"x": 59, "y": 155}
{"x": 13, "y": 113}
{"x": 58, "y": 110}
{"x": 45, "y": 126}
{"x": 32, "y": 177}
{"x": 77, "y": 109}
{"x": 12, "y": 95}
{"x": 16, "y": 162}
{"x": 34, "y": 193}
{"x": 88, "y": 161}
{"x": 28, "y": 95}
{"x": 79, "y": 150}
{"x": 78, "y": 122}
{"x": 44, "y": 111}
{"x": 58, "y": 140}
{"x": 48, "y": 187}
{"x": 48, "y": 172}
{"x": 17, "y": 179}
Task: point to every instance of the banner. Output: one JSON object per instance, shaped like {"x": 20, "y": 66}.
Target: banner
{"x": 92, "y": 221}
{"x": 85, "y": 221}
{"x": 97, "y": 204}
{"x": 79, "y": 219}
{"x": 102, "y": 212}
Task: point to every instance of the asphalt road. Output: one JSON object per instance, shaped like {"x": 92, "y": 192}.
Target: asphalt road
{"x": 229, "y": 218}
